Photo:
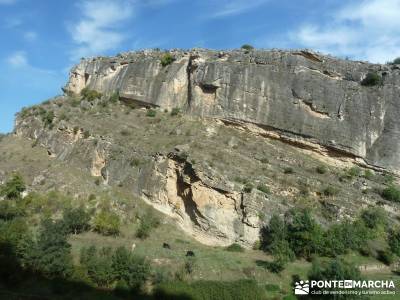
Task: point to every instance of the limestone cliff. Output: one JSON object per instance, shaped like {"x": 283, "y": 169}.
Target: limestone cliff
{"x": 301, "y": 96}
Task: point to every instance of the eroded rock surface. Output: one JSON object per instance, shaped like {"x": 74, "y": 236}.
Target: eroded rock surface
{"x": 301, "y": 94}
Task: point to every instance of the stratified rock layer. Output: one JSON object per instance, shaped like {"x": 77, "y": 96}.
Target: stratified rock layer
{"x": 300, "y": 95}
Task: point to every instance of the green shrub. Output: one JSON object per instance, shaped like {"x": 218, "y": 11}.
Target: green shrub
{"x": 394, "y": 240}
{"x": 368, "y": 174}
{"x": 388, "y": 179}
{"x": 90, "y": 95}
{"x": 396, "y": 61}
{"x": 175, "y": 111}
{"x": 275, "y": 239}
{"x": 125, "y": 132}
{"x": 391, "y": 193}
{"x": 373, "y": 217}
{"x": 330, "y": 191}
{"x": 134, "y": 162}
{"x": 263, "y": 188}
{"x": 13, "y": 188}
{"x": 235, "y": 248}
{"x": 336, "y": 269}
{"x": 276, "y": 266}
{"x": 107, "y": 223}
{"x": 99, "y": 265}
{"x": 321, "y": 169}
{"x": 147, "y": 223}
{"x": 132, "y": 270}
{"x": 86, "y": 134}
{"x": 288, "y": 170}
{"x": 248, "y": 187}
{"x": 167, "y": 59}
{"x": 372, "y": 79}
{"x": 51, "y": 254}
{"x": 247, "y": 47}
{"x": 114, "y": 98}
{"x": 354, "y": 172}
{"x": 48, "y": 118}
{"x": 151, "y": 113}
{"x": 341, "y": 238}
{"x": 305, "y": 236}
{"x": 385, "y": 256}
{"x": 10, "y": 210}
{"x": 76, "y": 220}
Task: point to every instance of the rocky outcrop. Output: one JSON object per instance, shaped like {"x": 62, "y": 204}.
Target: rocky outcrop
{"x": 206, "y": 207}
{"x": 300, "y": 95}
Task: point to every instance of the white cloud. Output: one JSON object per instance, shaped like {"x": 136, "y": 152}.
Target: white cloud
{"x": 8, "y": 1}
{"x": 18, "y": 59}
{"x": 99, "y": 28}
{"x": 30, "y": 36}
{"x": 225, "y": 8}
{"x": 368, "y": 29}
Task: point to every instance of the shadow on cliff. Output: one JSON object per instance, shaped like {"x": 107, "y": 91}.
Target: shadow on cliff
{"x": 17, "y": 283}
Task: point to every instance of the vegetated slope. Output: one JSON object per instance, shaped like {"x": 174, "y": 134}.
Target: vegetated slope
{"x": 215, "y": 181}
{"x": 220, "y": 182}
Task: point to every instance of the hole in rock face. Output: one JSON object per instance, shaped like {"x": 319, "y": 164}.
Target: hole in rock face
{"x": 208, "y": 88}
{"x": 86, "y": 77}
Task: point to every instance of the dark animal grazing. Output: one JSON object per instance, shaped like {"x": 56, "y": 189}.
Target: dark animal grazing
{"x": 166, "y": 246}
{"x": 190, "y": 253}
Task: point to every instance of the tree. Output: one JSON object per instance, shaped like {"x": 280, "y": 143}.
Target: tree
{"x": 394, "y": 241}
{"x": 107, "y": 223}
{"x": 99, "y": 267}
{"x": 13, "y": 187}
{"x": 304, "y": 234}
{"x": 274, "y": 239}
{"x": 396, "y": 61}
{"x": 131, "y": 269}
{"x": 53, "y": 252}
{"x": 247, "y": 47}
{"x": 76, "y": 220}
{"x": 335, "y": 269}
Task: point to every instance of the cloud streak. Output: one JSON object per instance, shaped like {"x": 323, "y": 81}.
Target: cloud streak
{"x": 99, "y": 28}
{"x": 368, "y": 29}
{"x": 18, "y": 59}
{"x": 7, "y": 2}
{"x": 226, "y": 8}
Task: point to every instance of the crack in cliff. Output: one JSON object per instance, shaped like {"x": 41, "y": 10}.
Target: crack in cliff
{"x": 189, "y": 70}
{"x": 309, "y": 143}
{"x": 308, "y": 105}
{"x": 309, "y": 55}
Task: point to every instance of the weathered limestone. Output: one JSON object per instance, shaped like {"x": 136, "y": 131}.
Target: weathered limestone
{"x": 299, "y": 94}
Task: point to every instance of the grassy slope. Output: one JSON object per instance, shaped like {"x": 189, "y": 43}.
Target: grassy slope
{"x": 228, "y": 151}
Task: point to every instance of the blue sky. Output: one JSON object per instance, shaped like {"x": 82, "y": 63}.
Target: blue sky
{"x": 42, "y": 39}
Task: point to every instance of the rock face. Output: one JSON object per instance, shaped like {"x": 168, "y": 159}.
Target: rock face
{"x": 207, "y": 209}
{"x": 301, "y": 96}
